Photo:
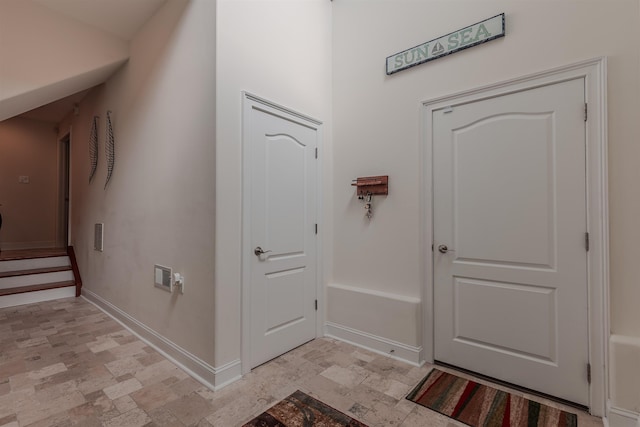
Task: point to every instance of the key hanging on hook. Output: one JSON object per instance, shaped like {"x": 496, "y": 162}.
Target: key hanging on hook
{"x": 369, "y": 186}
{"x": 367, "y": 205}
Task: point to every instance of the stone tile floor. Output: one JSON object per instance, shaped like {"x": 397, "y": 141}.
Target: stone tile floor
{"x": 66, "y": 363}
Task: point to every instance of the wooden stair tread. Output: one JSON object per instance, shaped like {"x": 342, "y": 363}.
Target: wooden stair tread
{"x": 34, "y": 271}
{"x": 14, "y": 255}
{"x": 76, "y": 282}
{"x": 33, "y": 288}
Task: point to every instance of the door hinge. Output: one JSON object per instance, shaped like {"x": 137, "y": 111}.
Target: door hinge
{"x": 585, "y": 112}
{"x": 589, "y": 373}
{"x": 316, "y": 305}
{"x": 586, "y": 241}
{"x": 316, "y": 228}
{"x": 316, "y": 152}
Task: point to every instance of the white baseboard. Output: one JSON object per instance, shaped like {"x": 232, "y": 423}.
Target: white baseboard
{"x": 37, "y": 296}
{"x": 212, "y": 377}
{"x": 622, "y": 418}
{"x": 396, "y": 350}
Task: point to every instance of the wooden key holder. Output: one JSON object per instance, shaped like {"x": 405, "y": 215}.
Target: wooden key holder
{"x": 372, "y": 185}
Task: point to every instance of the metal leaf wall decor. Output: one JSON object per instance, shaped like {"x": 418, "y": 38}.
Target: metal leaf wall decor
{"x": 93, "y": 147}
{"x": 109, "y": 149}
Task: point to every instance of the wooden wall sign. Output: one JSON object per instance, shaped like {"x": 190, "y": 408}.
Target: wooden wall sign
{"x": 473, "y": 35}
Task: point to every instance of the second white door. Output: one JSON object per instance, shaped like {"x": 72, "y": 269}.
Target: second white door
{"x": 510, "y": 260}
{"x": 283, "y": 267}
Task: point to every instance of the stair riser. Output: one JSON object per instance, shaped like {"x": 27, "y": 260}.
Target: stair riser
{"x": 33, "y": 263}
{"x": 39, "y": 296}
{"x": 35, "y": 279}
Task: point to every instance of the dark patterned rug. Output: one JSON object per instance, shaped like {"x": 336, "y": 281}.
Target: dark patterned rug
{"x": 480, "y": 405}
{"x": 301, "y": 410}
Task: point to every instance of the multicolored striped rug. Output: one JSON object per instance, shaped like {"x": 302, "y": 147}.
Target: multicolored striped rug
{"x": 480, "y": 405}
{"x": 302, "y": 410}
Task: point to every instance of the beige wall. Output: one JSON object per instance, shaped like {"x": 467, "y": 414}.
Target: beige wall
{"x": 177, "y": 179}
{"x": 279, "y": 50}
{"x": 28, "y": 148}
{"x": 377, "y": 122}
{"x": 159, "y": 207}
{"x": 163, "y": 200}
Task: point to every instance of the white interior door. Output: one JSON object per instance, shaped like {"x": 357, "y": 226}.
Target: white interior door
{"x": 282, "y": 232}
{"x": 510, "y": 278}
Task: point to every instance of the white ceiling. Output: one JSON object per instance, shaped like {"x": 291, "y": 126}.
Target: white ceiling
{"x": 122, "y": 18}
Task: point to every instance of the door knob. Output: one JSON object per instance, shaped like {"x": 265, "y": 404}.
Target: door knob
{"x": 444, "y": 249}
{"x": 258, "y": 251}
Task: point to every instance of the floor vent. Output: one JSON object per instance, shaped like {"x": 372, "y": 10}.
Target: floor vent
{"x": 163, "y": 277}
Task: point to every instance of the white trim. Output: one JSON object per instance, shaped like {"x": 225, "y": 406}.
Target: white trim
{"x": 320, "y": 289}
{"x": 250, "y": 101}
{"x": 37, "y": 296}
{"x": 226, "y": 374}
{"x": 31, "y": 263}
{"x": 288, "y": 111}
{"x": 377, "y": 293}
{"x": 594, "y": 73}
{"x": 69, "y": 222}
{"x": 376, "y": 344}
{"x": 9, "y": 282}
{"x": 60, "y": 239}
{"x": 619, "y": 417}
{"x": 212, "y": 377}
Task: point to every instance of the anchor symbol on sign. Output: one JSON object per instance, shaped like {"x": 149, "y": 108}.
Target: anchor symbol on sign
{"x": 437, "y": 49}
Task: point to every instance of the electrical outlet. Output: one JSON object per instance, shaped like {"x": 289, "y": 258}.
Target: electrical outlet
{"x": 178, "y": 281}
{"x": 23, "y": 179}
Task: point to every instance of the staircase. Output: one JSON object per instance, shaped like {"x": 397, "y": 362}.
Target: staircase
{"x": 38, "y": 275}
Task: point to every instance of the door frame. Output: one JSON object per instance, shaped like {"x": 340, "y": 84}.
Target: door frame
{"x": 60, "y": 202}
{"x": 594, "y": 73}
{"x": 250, "y": 102}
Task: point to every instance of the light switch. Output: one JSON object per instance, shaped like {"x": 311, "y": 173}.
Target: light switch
{"x": 23, "y": 179}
